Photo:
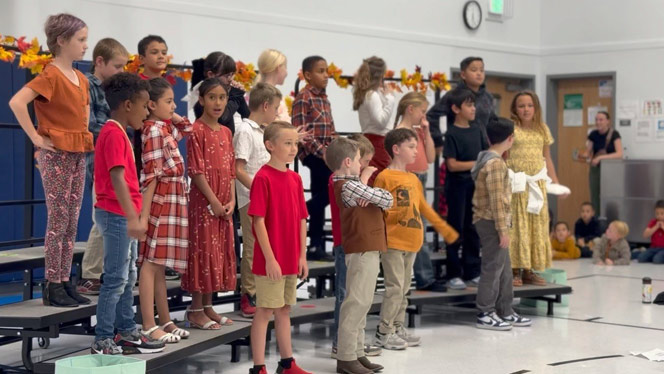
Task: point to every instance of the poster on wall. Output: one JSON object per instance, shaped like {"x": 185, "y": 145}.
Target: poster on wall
{"x": 652, "y": 108}
{"x": 592, "y": 113}
{"x": 573, "y": 110}
{"x": 643, "y": 133}
{"x": 605, "y": 88}
{"x": 659, "y": 130}
{"x": 628, "y": 109}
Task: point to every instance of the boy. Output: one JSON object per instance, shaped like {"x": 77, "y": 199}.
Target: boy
{"x": 276, "y": 204}
{"x": 363, "y": 232}
{"x": 405, "y": 234}
{"x": 116, "y": 212}
{"x": 562, "y": 243}
{"x": 655, "y": 231}
{"x": 366, "y": 154}
{"x": 109, "y": 58}
{"x": 491, "y": 215}
{"x": 250, "y": 156}
{"x": 311, "y": 110}
{"x": 153, "y": 54}
{"x": 586, "y": 229}
{"x": 463, "y": 142}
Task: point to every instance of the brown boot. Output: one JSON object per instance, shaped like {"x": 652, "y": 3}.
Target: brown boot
{"x": 352, "y": 367}
{"x": 370, "y": 365}
{"x": 516, "y": 278}
{"x": 530, "y": 277}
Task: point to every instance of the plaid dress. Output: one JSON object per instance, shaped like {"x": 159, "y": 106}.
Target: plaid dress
{"x": 166, "y": 240}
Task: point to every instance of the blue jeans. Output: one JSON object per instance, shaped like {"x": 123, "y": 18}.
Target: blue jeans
{"x": 654, "y": 255}
{"x": 423, "y": 268}
{"x": 116, "y": 300}
{"x": 339, "y": 287}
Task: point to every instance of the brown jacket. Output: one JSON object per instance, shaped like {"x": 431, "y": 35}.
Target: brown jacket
{"x": 362, "y": 229}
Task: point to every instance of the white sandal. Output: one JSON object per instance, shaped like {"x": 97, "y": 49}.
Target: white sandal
{"x": 182, "y": 333}
{"x": 206, "y": 326}
{"x": 223, "y": 321}
{"x": 167, "y": 338}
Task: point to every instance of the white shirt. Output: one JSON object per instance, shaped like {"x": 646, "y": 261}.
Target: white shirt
{"x": 248, "y": 144}
{"x": 375, "y": 113}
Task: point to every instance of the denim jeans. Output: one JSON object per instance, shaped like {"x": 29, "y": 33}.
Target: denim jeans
{"x": 116, "y": 300}
{"x": 654, "y": 255}
{"x": 423, "y": 268}
{"x": 339, "y": 287}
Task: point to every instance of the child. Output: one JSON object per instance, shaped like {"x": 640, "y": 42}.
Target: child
{"x": 374, "y": 103}
{"x": 562, "y": 243}
{"x": 279, "y": 214}
{"x": 153, "y": 54}
{"x": 655, "y": 231}
{"x": 109, "y": 58}
{"x": 411, "y": 115}
{"x": 366, "y": 154}
{"x": 211, "y": 166}
{"x": 273, "y": 69}
{"x": 463, "y": 142}
{"x": 311, "y": 110}
{"x": 405, "y": 234}
{"x": 164, "y": 214}
{"x": 491, "y": 216}
{"x": 363, "y": 231}
{"x": 250, "y": 156}
{"x": 117, "y": 212}
{"x": 612, "y": 248}
{"x": 61, "y": 103}
{"x": 586, "y": 229}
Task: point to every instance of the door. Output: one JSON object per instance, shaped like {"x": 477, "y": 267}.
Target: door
{"x": 503, "y": 88}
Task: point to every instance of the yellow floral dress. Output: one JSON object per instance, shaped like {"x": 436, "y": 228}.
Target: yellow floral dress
{"x": 530, "y": 247}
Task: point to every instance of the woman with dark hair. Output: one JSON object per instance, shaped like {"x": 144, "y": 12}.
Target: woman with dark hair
{"x": 603, "y": 143}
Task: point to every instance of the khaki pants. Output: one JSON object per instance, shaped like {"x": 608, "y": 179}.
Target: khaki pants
{"x": 93, "y": 257}
{"x": 361, "y": 274}
{"x": 397, "y": 271}
{"x": 247, "y": 280}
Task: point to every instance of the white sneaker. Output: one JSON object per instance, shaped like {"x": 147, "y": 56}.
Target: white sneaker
{"x": 517, "y": 320}
{"x": 412, "y": 340}
{"x": 475, "y": 282}
{"x": 456, "y": 284}
{"x": 389, "y": 341}
{"x": 491, "y": 321}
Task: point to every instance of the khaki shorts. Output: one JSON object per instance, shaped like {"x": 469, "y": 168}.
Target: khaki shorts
{"x": 275, "y": 294}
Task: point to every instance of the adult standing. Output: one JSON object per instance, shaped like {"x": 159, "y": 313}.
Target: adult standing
{"x": 604, "y": 143}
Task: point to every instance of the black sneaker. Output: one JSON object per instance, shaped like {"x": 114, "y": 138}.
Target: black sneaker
{"x": 491, "y": 321}
{"x": 135, "y": 342}
{"x": 171, "y": 274}
{"x": 435, "y": 286}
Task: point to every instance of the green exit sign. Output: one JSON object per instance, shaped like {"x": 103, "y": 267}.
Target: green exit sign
{"x": 497, "y": 6}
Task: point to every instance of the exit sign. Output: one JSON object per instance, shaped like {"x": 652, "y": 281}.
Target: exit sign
{"x": 497, "y": 6}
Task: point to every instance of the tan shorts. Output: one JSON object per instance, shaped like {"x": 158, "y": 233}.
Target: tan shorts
{"x": 275, "y": 294}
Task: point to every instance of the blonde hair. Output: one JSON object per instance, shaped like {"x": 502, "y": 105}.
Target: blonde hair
{"x": 537, "y": 117}
{"x": 268, "y": 61}
{"x": 411, "y": 98}
{"x": 108, "y": 48}
{"x": 621, "y": 228}
{"x": 262, "y": 93}
{"x": 363, "y": 144}
{"x": 272, "y": 130}
{"x": 369, "y": 77}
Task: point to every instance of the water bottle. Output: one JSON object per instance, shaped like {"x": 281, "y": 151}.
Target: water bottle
{"x": 646, "y": 290}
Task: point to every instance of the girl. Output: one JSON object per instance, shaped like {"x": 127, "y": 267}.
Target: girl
{"x": 211, "y": 166}
{"x": 164, "y": 214}
{"x": 612, "y": 248}
{"x": 530, "y": 247}
{"x": 222, "y": 66}
{"x": 374, "y": 103}
{"x": 273, "y": 70}
{"x": 604, "y": 143}
{"x": 62, "y": 106}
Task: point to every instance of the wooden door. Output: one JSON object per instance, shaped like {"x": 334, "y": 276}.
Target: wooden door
{"x": 504, "y": 90}
{"x": 572, "y": 173}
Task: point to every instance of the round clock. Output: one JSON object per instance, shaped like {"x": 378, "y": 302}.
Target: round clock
{"x": 472, "y": 15}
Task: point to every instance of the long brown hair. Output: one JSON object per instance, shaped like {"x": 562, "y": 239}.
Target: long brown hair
{"x": 537, "y": 116}
{"x": 411, "y": 98}
{"x": 368, "y": 77}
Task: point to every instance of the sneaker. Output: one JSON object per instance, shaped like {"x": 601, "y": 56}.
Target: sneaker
{"x": 333, "y": 354}
{"x": 412, "y": 340}
{"x": 135, "y": 342}
{"x": 436, "y": 286}
{"x": 456, "y": 284}
{"x": 247, "y": 309}
{"x": 171, "y": 274}
{"x": 372, "y": 350}
{"x": 293, "y": 369}
{"x": 390, "y": 341}
{"x": 517, "y": 320}
{"x": 530, "y": 277}
{"x": 491, "y": 321}
{"x": 263, "y": 370}
{"x": 475, "y": 282}
{"x": 89, "y": 286}
{"x": 318, "y": 254}
{"x": 105, "y": 347}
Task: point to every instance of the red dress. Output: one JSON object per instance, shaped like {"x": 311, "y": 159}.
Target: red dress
{"x": 211, "y": 261}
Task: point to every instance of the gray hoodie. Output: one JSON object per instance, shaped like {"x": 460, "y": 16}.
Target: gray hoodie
{"x": 482, "y": 158}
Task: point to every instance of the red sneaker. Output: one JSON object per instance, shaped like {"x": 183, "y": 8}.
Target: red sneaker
{"x": 247, "y": 307}
{"x": 294, "y": 369}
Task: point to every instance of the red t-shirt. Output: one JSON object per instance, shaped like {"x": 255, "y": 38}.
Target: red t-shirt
{"x": 279, "y": 197}
{"x": 334, "y": 208}
{"x": 657, "y": 238}
{"x": 114, "y": 149}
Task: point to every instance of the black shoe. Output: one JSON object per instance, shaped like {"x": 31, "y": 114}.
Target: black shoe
{"x": 369, "y": 365}
{"x": 318, "y": 253}
{"x": 54, "y": 294}
{"x": 70, "y": 288}
{"x": 171, "y": 274}
{"x": 437, "y": 286}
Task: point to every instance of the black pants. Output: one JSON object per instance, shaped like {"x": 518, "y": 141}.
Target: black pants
{"x": 459, "y": 195}
{"x": 319, "y": 175}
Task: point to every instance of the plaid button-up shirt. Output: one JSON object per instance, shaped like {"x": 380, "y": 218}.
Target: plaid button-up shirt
{"x": 493, "y": 194}
{"x": 99, "y": 114}
{"x": 312, "y": 110}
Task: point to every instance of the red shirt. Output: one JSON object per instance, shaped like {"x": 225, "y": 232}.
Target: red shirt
{"x": 657, "y": 238}
{"x": 279, "y": 197}
{"x": 113, "y": 149}
{"x": 334, "y": 208}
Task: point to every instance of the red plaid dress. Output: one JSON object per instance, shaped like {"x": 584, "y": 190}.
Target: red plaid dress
{"x": 166, "y": 240}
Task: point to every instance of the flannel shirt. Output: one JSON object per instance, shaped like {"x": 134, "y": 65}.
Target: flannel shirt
{"x": 493, "y": 194}
{"x": 353, "y": 190}
{"x": 312, "y": 110}
{"x": 99, "y": 114}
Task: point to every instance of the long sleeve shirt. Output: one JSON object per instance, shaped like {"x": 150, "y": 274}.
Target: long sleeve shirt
{"x": 354, "y": 190}
{"x": 493, "y": 194}
{"x": 312, "y": 110}
{"x": 587, "y": 231}
{"x": 565, "y": 250}
{"x": 618, "y": 252}
{"x": 375, "y": 113}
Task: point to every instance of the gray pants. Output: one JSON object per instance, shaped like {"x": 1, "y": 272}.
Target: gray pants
{"x": 93, "y": 257}
{"x": 494, "y": 293}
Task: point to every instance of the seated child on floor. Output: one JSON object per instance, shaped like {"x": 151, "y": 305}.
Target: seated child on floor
{"x": 562, "y": 243}
{"x": 655, "y": 231}
{"x": 612, "y": 248}
{"x": 586, "y": 229}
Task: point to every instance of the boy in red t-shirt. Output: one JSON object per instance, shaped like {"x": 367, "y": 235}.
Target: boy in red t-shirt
{"x": 655, "y": 231}
{"x": 276, "y": 203}
{"x": 117, "y": 215}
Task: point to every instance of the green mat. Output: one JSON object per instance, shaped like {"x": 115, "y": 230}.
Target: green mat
{"x": 557, "y": 276}
{"x": 100, "y": 364}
